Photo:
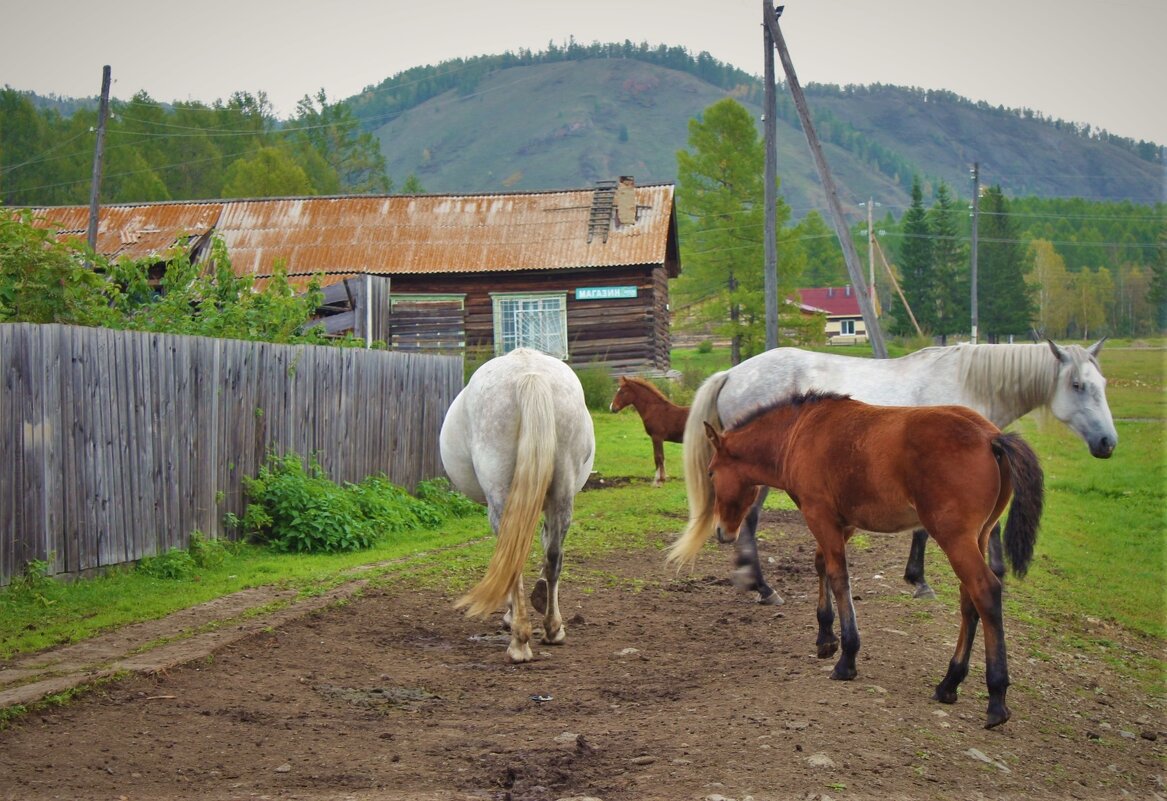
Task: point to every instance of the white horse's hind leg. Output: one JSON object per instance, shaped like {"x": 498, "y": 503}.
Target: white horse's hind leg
{"x": 545, "y": 599}
{"x": 545, "y": 596}
{"x": 519, "y": 649}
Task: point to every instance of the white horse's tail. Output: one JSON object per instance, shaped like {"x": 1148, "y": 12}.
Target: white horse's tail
{"x": 697, "y": 452}
{"x": 534, "y": 466}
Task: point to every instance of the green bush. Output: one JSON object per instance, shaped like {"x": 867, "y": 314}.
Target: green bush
{"x": 298, "y": 511}
{"x": 598, "y": 386}
{"x": 438, "y": 493}
{"x": 206, "y": 553}
{"x": 175, "y": 564}
{"x": 302, "y": 511}
{"x": 33, "y": 577}
{"x": 391, "y": 509}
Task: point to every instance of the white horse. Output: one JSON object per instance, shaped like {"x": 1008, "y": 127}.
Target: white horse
{"x": 519, "y": 438}
{"x": 1001, "y": 382}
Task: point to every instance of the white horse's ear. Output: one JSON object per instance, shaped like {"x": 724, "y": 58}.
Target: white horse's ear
{"x": 1058, "y": 352}
{"x": 1096, "y": 348}
{"x": 711, "y": 432}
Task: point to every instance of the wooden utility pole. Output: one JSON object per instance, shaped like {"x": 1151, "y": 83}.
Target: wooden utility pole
{"x": 874, "y": 334}
{"x": 98, "y": 157}
{"x": 870, "y": 248}
{"x": 976, "y": 208}
{"x": 770, "y": 272}
{"x": 900, "y": 292}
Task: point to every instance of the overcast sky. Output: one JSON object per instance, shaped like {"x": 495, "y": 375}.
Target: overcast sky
{"x": 1102, "y": 63}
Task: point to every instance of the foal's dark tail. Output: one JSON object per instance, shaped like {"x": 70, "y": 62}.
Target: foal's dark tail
{"x": 1028, "y": 498}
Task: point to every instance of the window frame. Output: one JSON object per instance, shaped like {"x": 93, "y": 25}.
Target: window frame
{"x": 499, "y": 300}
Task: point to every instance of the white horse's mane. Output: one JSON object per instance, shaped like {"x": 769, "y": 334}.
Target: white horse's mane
{"x": 1008, "y": 380}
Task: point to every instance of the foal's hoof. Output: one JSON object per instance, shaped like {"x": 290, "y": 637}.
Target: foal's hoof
{"x": 924, "y": 592}
{"x": 539, "y": 596}
{"x": 944, "y": 696}
{"x": 557, "y": 638}
{"x": 770, "y": 599}
{"x": 827, "y": 649}
{"x": 997, "y": 717}
{"x": 841, "y": 673}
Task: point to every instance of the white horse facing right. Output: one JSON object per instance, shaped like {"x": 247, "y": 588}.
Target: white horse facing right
{"x": 519, "y": 438}
{"x": 1001, "y": 382}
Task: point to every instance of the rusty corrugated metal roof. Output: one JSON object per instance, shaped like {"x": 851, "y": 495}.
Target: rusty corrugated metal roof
{"x": 393, "y": 234}
{"x": 138, "y": 231}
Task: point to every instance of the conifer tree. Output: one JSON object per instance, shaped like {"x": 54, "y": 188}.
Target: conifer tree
{"x": 721, "y": 197}
{"x": 919, "y": 281}
{"x": 950, "y": 266}
{"x": 1005, "y": 303}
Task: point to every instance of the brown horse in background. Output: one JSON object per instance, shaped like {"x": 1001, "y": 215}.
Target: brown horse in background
{"x": 663, "y": 420}
{"x": 849, "y": 465}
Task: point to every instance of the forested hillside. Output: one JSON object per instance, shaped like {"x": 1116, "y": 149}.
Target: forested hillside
{"x": 1085, "y": 209}
{"x": 571, "y": 115}
{"x": 183, "y": 151}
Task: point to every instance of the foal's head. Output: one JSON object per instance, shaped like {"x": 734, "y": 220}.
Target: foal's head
{"x": 733, "y": 495}
{"x": 623, "y": 395}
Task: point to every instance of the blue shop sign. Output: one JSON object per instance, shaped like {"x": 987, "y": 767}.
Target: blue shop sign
{"x": 604, "y": 292}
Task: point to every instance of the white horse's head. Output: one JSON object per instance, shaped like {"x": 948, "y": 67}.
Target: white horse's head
{"x": 1079, "y": 398}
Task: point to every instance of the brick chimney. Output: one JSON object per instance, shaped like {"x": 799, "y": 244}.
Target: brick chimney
{"x": 625, "y": 201}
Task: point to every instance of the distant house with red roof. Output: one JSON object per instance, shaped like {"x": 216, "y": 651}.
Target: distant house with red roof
{"x": 845, "y": 324}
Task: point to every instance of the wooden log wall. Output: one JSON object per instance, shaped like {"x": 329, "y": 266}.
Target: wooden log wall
{"x": 116, "y": 445}
{"x": 622, "y": 334}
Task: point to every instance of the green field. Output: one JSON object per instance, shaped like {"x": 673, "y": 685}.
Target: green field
{"x": 1100, "y": 555}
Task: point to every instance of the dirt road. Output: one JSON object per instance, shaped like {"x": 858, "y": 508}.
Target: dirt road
{"x": 668, "y": 687}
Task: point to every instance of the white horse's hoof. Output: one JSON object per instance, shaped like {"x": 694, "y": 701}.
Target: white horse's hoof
{"x": 517, "y": 654}
{"x": 773, "y": 599}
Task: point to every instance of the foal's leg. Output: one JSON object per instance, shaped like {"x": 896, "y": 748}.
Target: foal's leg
{"x": 958, "y": 665}
{"x": 996, "y": 557}
{"x": 980, "y": 598}
{"x": 658, "y": 454}
{"x": 545, "y": 595}
{"x": 519, "y": 649}
{"x": 832, "y": 545}
{"x": 747, "y": 574}
{"x": 914, "y": 572}
{"x": 827, "y": 642}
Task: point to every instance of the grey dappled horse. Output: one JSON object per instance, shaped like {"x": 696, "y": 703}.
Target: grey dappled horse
{"x": 1001, "y": 382}
{"x": 519, "y": 438}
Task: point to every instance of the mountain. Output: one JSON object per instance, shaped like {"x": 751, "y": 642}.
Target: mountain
{"x": 569, "y": 123}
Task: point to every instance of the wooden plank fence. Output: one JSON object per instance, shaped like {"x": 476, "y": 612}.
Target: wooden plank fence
{"x": 115, "y": 445}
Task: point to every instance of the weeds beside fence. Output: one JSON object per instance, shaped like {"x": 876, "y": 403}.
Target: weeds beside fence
{"x": 116, "y": 445}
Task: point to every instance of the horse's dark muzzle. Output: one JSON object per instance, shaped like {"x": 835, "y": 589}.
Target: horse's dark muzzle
{"x": 1103, "y": 448}
{"x": 724, "y": 538}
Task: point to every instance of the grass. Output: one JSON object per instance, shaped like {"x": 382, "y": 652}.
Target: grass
{"x": 1100, "y": 555}
{"x": 51, "y": 613}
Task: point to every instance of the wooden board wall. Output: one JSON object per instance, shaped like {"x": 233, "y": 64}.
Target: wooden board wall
{"x": 117, "y": 445}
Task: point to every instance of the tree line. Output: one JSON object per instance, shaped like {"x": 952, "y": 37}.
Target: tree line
{"x": 1060, "y": 268}
{"x": 1055, "y": 267}
{"x": 186, "y": 151}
